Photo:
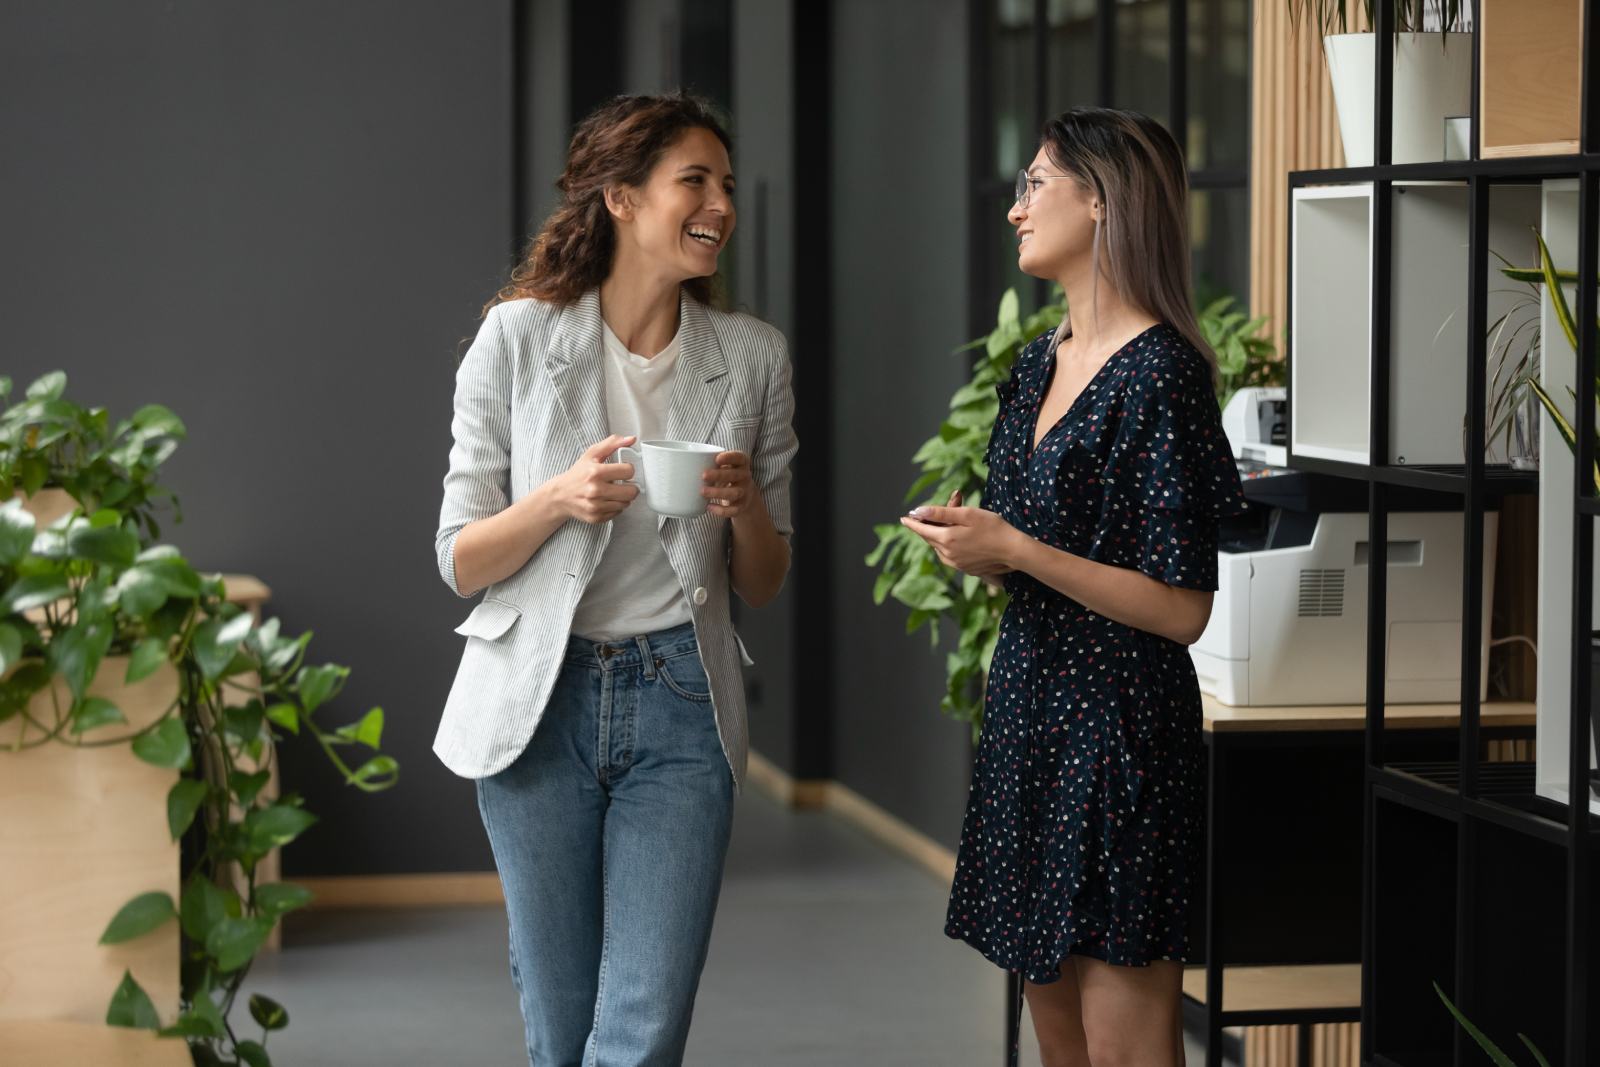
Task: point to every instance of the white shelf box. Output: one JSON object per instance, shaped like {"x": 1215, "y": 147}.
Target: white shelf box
{"x": 1558, "y": 373}
{"x": 1331, "y": 306}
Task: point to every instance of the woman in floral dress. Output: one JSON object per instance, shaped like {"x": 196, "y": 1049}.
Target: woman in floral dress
{"x": 1108, "y": 475}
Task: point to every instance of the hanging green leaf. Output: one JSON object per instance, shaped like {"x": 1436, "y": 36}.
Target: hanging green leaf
{"x": 131, "y": 1007}
{"x": 165, "y": 746}
{"x": 183, "y": 801}
{"x": 268, "y": 1013}
{"x": 138, "y": 917}
{"x": 91, "y": 713}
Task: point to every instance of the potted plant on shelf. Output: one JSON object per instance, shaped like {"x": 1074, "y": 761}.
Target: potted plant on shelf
{"x": 952, "y": 460}
{"x": 1432, "y": 73}
{"x": 95, "y": 611}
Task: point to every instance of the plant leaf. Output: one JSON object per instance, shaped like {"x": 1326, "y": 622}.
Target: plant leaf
{"x": 253, "y": 1054}
{"x": 368, "y": 731}
{"x": 318, "y": 684}
{"x": 183, "y": 800}
{"x": 76, "y": 652}
{"x": 32, "y": 591}
{"x": 107, "y": 544}
{"x": 278, "y": 898}
{"x": 1538, "y": 1056}
{"x": 48, "y": 386}
{"x": 10, "y": 646}
{"x": 130, "y": 1006}
{"x": 1558, "y": 295}
{"x": 165, "y": 746}
{"x": 138, "y": 917}
{"x": 205, "y": 905}
{"x": 17, "y": 528}
{"x": 147, "y": 656}
{"x": 268, "y": 1013}
{"x": 234, "y": 942}
{"x": 286, "y": 716}
{"x": 1499, "y": 1058}
{"x": 377, "y": 766}
{"x": 92, "y": 713}
{"x": 275, "y": 826}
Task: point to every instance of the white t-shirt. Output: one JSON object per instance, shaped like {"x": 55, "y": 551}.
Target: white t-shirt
{"x": 634, "y": 589}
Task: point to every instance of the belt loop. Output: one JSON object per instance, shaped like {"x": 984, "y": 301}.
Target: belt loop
{"x": 647, "y": 658}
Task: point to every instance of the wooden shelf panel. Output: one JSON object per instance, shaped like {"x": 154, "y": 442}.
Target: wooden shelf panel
{"x": 51, "y": 1043}
{"x": 1312, "y": 718}
{"x": 1530, "y": 71}
{"x": 1299, "y": 987}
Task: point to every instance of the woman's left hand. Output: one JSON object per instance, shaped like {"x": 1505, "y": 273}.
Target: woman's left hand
{"x": 972, "y": 540}
{"x": 730, "y": 488}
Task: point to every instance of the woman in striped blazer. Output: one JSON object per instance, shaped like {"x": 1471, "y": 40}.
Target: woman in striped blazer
{"x": 599, "y": 704}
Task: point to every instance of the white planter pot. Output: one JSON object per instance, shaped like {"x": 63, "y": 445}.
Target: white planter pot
{"x": 1432, "y": 82}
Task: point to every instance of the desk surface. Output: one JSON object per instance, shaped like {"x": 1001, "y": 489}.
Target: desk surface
{"x": 1220, "y": 718}
{"x": 1289, "y": 988}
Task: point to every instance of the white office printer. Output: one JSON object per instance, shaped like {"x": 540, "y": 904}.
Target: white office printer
{"x": 1289, "y": 623}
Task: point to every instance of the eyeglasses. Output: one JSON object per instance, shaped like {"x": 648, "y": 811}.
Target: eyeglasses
{"x": 1026, "y": 182}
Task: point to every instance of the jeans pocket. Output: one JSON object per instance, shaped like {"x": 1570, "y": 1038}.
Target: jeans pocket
{"x": 685, "y": 676}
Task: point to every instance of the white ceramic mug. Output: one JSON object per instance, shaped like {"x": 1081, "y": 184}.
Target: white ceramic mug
{"x": 668, "y": 475}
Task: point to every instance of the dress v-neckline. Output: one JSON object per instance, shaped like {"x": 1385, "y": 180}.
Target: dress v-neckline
{"x": 1035, "y": 438}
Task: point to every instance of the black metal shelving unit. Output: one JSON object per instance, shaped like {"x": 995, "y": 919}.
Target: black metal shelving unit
{"x": 1469, "y": 878}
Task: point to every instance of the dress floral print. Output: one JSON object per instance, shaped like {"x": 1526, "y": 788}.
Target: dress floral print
{"x": 1083, "y": 830}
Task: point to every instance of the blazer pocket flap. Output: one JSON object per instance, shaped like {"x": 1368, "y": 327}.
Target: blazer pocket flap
{"x": 739, "y": 422}
{"x": 489, "y": 620}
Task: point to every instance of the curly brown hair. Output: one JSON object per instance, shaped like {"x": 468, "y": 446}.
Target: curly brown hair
{"x": 618, "y": 144}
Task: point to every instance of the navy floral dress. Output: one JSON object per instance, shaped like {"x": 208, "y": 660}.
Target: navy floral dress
{"x": 1083, "y": 831}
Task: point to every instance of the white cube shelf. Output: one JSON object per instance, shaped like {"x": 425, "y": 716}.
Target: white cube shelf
{"x": 1558, "y": 373}
{"x": 1331, "y": 306}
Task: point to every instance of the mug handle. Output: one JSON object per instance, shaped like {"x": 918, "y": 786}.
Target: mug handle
{"x": 638, "y": 465}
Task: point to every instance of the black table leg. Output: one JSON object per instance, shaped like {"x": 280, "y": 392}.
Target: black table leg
{"x": 1213, "y": 907}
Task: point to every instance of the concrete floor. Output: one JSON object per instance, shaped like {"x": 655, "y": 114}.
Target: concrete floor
{"x": 827, "y": 952}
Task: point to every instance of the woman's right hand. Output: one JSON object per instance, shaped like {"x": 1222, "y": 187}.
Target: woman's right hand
{"x": 593, "y": 490}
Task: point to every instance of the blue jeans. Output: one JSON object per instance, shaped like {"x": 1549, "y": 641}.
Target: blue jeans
{"x": 609, "y": 832}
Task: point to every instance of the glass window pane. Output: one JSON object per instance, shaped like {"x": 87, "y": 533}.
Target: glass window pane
{"x": 1219, "y": 84}
{"x": 1002, "y": 253}
{"x": 1140, "y": 41}
{"x": 1074, "y": 67}
{"x": 1219, "y": 236}
{"x": 1011, "y": 73}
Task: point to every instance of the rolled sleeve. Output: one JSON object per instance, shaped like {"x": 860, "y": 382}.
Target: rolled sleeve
{"x": 477, "y": 485}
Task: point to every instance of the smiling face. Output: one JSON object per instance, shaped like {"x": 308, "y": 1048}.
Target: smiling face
{"x": 1056, "y": 229}
{"x": 682, "y": 216}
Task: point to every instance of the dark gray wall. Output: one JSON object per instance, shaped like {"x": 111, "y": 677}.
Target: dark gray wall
{"x": 278, "y": 219}
{"x": 899, "y": 309}
{"x": 762, "y": 278}
{"x": 547, "y": 95}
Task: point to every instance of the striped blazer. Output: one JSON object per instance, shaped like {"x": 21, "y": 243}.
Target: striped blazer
{"x": 529, "y": 399}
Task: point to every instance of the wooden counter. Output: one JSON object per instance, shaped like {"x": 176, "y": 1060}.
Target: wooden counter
{"x": 1224, "y": 718}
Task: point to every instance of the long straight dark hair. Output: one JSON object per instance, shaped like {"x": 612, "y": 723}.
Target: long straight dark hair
{"x": 1133, "y": 165}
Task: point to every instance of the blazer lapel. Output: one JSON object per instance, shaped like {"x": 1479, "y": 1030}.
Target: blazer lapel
{"x": 573, "y": 363}
{"x": 700, "y": 384}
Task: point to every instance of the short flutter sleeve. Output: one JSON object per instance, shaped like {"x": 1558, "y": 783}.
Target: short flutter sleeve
{"x": 1171, "y": 472}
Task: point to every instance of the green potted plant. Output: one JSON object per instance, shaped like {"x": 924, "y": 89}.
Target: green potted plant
{"x": 93, "y": 599}
{"x": 952, "y": 461}
{"x": 1432, "y": 73}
